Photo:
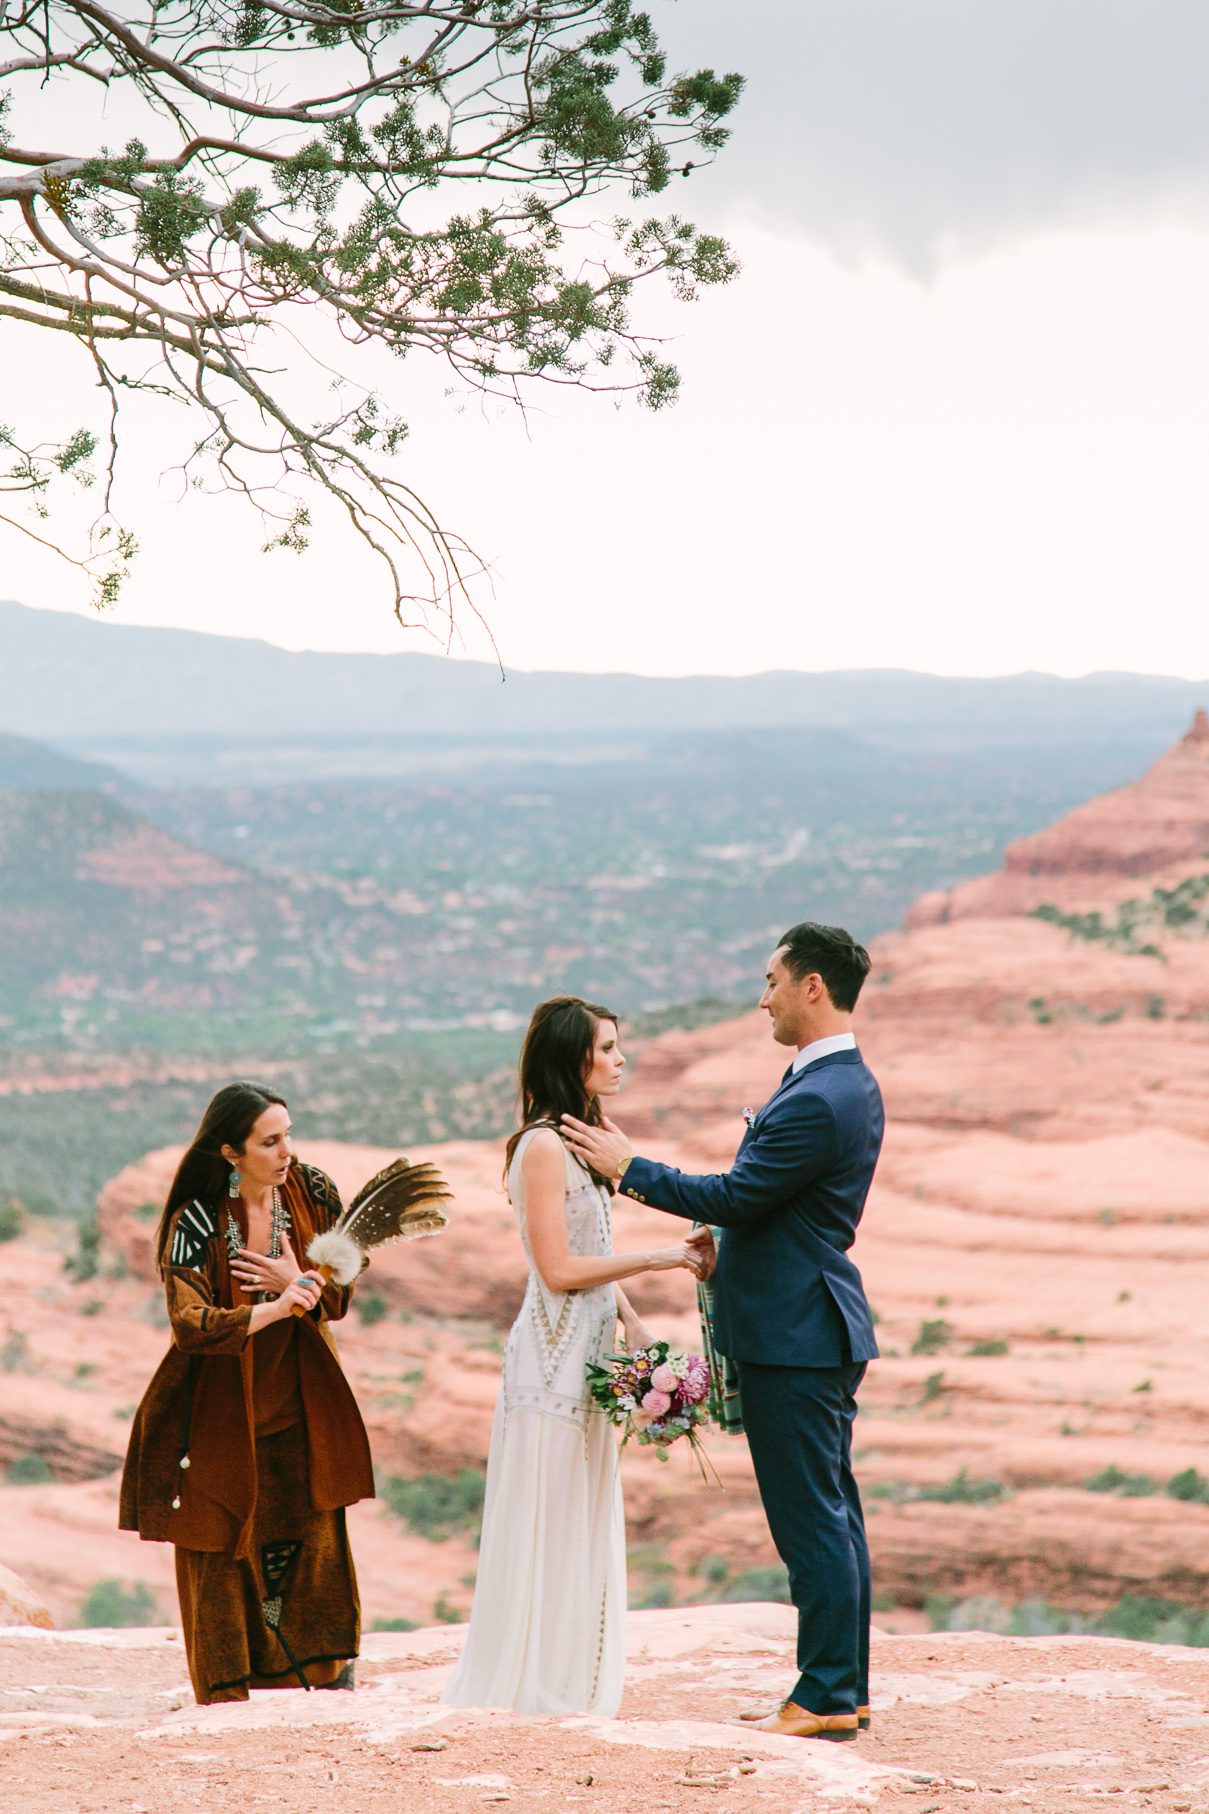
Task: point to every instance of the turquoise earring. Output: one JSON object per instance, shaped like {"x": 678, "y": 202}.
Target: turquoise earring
{"x": 233, "y": 1183}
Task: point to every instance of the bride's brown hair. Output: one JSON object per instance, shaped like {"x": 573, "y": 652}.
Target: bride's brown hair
{"x": 554, "y": 1064}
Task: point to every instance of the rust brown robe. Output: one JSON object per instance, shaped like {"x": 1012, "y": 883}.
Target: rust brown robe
{"x": 276, "y": 1449}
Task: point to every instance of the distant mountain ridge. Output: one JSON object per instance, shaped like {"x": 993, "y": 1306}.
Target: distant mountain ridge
{"x": 95, "y": 685}
{"x": 32, "y": 766}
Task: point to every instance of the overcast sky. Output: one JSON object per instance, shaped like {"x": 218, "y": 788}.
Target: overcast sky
{"x": 954, "y": 415}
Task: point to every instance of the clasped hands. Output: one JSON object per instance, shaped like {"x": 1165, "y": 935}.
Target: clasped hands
{"x": 283, "y": 1278}
{"x": 607, "y": 1150}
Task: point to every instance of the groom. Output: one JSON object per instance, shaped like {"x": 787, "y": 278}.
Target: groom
{"x": 790, "y": 1309}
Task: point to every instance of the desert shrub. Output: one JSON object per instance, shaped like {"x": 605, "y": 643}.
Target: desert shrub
{"x": 394, "y": 1625}
{"x": 963, "y": 1491}
{"x": 27, "y": 1469}
{"x": 714, "y": 1569}
{"x": 937, "y": 1608}
{"x": 934, "y": 1385}
{"x": 445, "y": 1612}
{"x": 12, "y": 1219}
{"x": 895, "y": 1490}
{"x": 759, "y": 1584}
{"x": 438, "y": 1505}
{"x": 1144, "y": 1620}
{"x": 986, "y": 1350}
{"x": 1150, "y": 1621}
{"x": 1130, "y": 1486}
{"x": 112, "y": 1603}
{"x": 14, "y": 1355}
{"x": 85, "y": 1262}
{"x": 1188, "y": 1485}
{"x": 656, "y": 1594}
{"x": 934, "y": 1334}
{"x": 371, "y": 1307}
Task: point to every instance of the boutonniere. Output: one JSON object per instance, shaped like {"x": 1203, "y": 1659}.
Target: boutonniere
{"x": 749, "y": 1116}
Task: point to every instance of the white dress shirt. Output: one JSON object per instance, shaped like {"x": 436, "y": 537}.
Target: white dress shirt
{"x": 822, "y": 1048}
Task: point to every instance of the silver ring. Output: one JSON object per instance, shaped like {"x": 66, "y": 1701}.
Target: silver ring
{"x": 303, "y": 1280}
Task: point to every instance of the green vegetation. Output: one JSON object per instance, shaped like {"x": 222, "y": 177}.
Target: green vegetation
{"x": 438, "y": 1505}
{"x": 1128, "y": 1486}
{"x": 1183, "y": 910}
{"x": 58, "y": 1148}
{"x": 934, "y": 1335}
{"x": 1145, "y": 1620}
{"x": 987, "y": 1350}
{"x": 371, "y": 1307}
{"x": 961, "y": 1490}
{"x": 28, "y": 1470}
{"x": 85, "y": 1262}
{"x": 114, "y": 1604}
{"x": 1190, "y": 1485}
{"x": 394, "y": 1625}
{"x": 934, "y": 1385}
{"x": 12, "y": 1219}
{"x": 758, "y": 1584}
{"x": 655, "y": 1594}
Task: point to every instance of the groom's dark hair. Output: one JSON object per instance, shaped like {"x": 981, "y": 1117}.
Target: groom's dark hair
{"x": 829, "y": 952}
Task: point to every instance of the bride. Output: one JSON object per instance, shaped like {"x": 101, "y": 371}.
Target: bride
{"x": 547, "y": 1629}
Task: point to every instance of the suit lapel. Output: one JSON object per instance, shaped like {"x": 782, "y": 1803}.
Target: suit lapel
{"x": 850, "y": 1055}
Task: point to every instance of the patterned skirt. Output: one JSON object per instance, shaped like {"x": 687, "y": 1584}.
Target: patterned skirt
{"x": 286, "y": 1616}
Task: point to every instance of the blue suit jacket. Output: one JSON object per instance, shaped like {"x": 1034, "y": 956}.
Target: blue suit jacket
{"x": 786, "y": 1294}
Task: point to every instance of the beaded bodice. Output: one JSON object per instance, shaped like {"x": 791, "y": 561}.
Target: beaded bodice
{"x": 557, "y": 1333}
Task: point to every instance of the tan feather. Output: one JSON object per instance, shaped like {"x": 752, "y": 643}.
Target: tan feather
{"x": 402, "y": 1202}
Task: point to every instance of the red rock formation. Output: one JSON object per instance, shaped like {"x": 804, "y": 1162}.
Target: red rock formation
{"x": 1100, "y": 850}
{"x": 142, "y": 859}
{"x": 20, "y": 1605}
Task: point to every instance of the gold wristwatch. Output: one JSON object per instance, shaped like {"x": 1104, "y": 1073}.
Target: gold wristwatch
{"x": 621, "y": 1170}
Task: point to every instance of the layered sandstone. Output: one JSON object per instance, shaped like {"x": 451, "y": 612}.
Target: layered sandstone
{"x": 1156, "y": 825}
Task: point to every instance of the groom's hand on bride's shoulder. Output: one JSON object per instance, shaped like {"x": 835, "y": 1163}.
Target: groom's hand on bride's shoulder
{"x": 605, "y": 1148}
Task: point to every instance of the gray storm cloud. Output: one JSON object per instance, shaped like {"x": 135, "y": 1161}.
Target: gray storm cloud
{"x": 923, "y": 129}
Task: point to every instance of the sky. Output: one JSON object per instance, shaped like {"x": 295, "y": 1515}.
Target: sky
{"x": 953, "y": 416}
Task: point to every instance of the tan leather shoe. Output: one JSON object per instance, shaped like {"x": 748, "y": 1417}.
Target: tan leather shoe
{"x": 792, "y": 1721}
{"x": 864, "y": 1717}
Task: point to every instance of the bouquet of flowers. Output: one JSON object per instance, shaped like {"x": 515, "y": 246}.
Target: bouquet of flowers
{"x": 654, "y": 1396}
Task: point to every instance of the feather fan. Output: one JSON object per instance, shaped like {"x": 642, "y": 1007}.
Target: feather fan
{"x": 402, "y": 1202}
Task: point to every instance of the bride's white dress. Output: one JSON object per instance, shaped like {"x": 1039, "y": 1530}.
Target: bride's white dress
{"x": 547, "y": 1630}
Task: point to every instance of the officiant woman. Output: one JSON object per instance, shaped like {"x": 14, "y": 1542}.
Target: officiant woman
{"x": 248, "y": 1444}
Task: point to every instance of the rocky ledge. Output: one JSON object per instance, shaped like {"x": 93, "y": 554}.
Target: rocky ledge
{"x": 103, "y": 1720}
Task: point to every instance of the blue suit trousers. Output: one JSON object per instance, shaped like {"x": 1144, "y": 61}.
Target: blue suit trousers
{"x": 799, "y": 1429}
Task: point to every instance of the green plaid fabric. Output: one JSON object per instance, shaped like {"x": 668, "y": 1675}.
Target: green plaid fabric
{"x": 725, "y": 1405}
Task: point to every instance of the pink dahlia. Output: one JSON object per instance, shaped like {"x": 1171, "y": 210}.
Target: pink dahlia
{"x": 664, "y": 1379}
{"x": 656, "y": 1403}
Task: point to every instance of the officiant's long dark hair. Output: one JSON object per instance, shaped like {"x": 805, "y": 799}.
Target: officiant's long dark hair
{"x": 202, "y": 1173}
{"x": 554, "y": 1065}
